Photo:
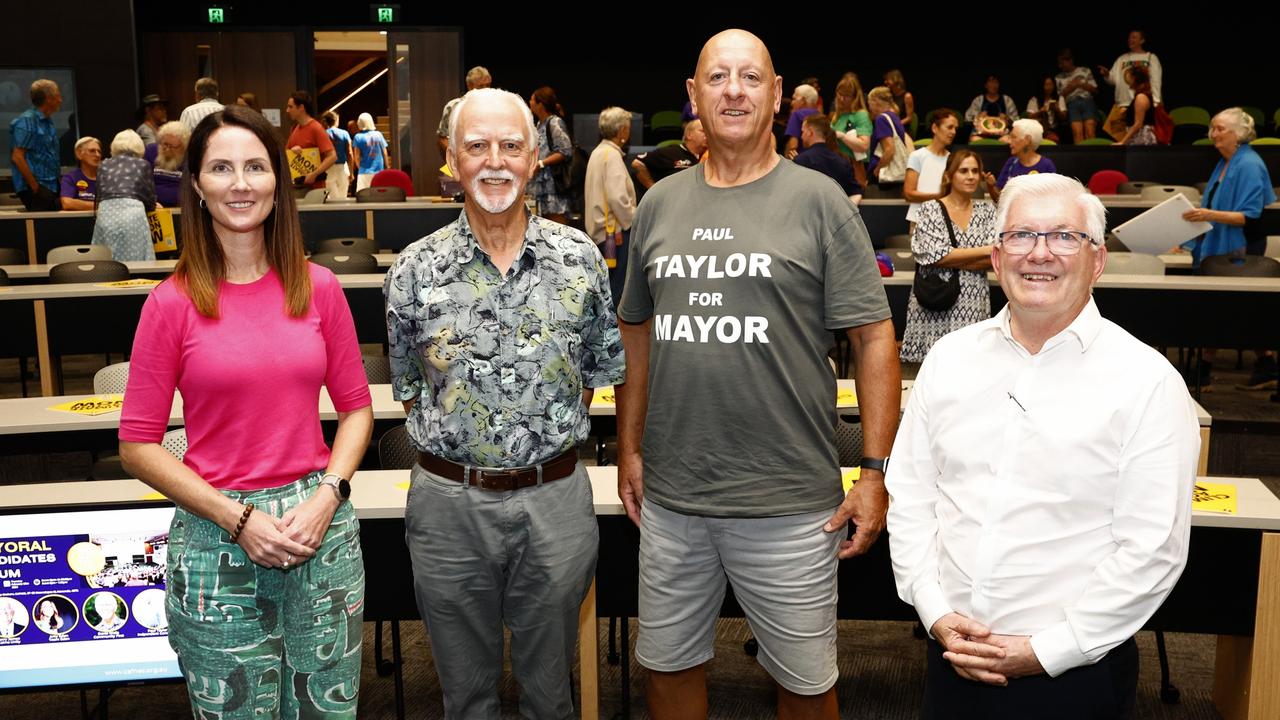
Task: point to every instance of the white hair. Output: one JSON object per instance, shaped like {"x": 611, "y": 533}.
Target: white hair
{"x": 1061, "y": 187}
{"x": 1239, "y": 122}
{"x": 807, "y": 93}
{"x": 530, "y": 130}
{"x": 365, "y": 121}
{"x": 127, "y": 142}
{"x": 85, "y": 141}
{"x": 175, "y": 128}
{"x": 612, "y": 121}
{"x": 478, "y": 74}
{"x": 1031, "y": 130}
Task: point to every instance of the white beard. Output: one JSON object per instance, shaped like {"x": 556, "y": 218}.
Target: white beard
{"x": 501, "y": 204}
{"x": 164, "y": 162}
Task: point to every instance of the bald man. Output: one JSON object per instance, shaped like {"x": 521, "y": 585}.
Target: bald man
{"x": 741, "y": 269}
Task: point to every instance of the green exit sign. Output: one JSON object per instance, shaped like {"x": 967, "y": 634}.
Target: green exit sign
{"x": 384, "y": 13}
{"x": 217, "y": 15}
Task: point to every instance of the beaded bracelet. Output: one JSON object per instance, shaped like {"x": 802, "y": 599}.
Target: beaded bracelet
{"x": 248, "y": 508}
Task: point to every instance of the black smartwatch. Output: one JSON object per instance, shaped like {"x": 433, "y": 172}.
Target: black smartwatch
{"x": 881, "y": 464}
{"x": 341, "y": 488}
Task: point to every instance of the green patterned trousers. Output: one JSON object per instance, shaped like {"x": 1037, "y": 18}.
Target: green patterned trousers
{"x": 257, "y": 642}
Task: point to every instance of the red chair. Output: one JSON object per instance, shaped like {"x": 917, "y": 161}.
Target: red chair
{"x": 394, "y": 178}
{"x": 1105, "y": 182}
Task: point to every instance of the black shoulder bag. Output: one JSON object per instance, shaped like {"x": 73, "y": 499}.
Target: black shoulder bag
{"x": 932, "y": 291}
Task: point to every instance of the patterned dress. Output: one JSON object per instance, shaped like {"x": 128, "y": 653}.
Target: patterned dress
{"x": 553, "y": 137}
{"x": 930, "y": 243}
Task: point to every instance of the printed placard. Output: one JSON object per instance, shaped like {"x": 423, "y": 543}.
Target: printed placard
{"x": 96, "y": 405}
{"x": 303, "y": 162}
{"x": 163, "y": 237}
{"x": 136, "y": 282}
{"x": 1214, "y": 498}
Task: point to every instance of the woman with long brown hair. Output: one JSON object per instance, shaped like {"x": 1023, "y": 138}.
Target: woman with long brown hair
{"x": 952, "y": 235}
{"x": 265, "y": 576}
{"x": 555, "y": 150}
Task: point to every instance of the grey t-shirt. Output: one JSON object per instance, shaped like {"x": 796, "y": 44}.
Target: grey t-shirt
{"x": 744, "y": 286}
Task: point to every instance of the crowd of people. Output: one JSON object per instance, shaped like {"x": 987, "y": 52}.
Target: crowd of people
{"x": 733, "y": 271}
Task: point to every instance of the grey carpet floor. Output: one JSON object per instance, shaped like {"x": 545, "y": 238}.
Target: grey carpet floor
{"x": 881, "y": 677}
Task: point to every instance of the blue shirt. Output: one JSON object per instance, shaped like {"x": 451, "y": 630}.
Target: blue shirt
{"x": 341, "y": 143}
{"x": 498, "y": 363}
{"x": 372, "y": 146}
{"x": 35, "y": 132}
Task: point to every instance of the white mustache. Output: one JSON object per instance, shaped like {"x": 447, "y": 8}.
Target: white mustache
{"x": 496, "y": 175}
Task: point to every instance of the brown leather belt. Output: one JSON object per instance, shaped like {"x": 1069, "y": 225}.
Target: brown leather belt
{"x": 560, "y": 466}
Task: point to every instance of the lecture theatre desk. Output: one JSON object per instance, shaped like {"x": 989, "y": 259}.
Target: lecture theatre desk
{"x": 1231, "y": 586}
{"x": 28, "y": 425}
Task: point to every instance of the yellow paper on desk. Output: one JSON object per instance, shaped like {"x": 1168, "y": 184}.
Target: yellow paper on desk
{"x": 303, "y": 162}
{"x": 605, "y": 396}
{"x": 96, "y": 405}
{"x": 849, "y": 477}
{"x": 136, "y": 282}
{"x": 445, "y": 171}
{"x": 162, "y": 235}
{"x": 1214, "y": 497}
{"x": 846, "y": 397}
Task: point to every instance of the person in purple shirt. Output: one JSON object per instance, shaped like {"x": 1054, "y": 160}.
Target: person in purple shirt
{"x": 168, "y": 158}
{"x": 886, "y": 132}
{"x": 804, "y": 102}
{"x": 1024, "y": 140}
{"x": 80, "y": 186}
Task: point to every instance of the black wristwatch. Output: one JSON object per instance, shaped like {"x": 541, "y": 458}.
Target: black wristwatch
{"x": 881, "y": 464}
{"x": 341, "y": 488}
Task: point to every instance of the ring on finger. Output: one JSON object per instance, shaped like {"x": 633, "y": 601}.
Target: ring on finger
{"x": 288, "y": 560}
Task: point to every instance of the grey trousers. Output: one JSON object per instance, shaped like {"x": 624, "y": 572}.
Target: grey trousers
{"x": 483, "y": 558}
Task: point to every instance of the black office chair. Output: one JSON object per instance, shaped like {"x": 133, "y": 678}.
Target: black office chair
{"x": 351, "y": 263}
{"x": 380, "y": 194}
{"x": 4, "y": 277}
{"x": 849, "y": 441}
{"x": 1247, "y": 266}
{"x": 395, "y": 452}
{"x": 12, "y": 256}
{"x": 901, "y": 240}
{"x": 89, "y": 271}
{"x": 377, "y": 370}
{"x": 1134, "y": 187}
{"x": 348, "y": 245}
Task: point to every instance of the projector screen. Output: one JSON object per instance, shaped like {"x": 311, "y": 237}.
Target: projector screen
{"x": 82, "y": 598}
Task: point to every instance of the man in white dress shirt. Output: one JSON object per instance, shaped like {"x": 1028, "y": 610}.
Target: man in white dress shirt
{"x": 1041, "y": 481}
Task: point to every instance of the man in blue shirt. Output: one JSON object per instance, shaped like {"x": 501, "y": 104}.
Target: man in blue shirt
{"x": 338, "y": 180}
{"x": 35, "y": 149}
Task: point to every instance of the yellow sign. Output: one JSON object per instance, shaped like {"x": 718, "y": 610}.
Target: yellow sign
{"x": 402, "y": 486}
{"x": 846, "y": 398}
{"x": 96, "y": 405}
{"x": 154, "y": 496}
{"x": 303, "y": 162}
{"x": 606, "y": 396}
{"x": 136, "y": 282}
{"x": 849, "y": 477}
{"x": 1214, "y": 497}
{"x": 162, "y": 235}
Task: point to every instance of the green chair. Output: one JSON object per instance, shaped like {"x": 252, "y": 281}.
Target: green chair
{"x": 1046, "y": 142}
{"x": 985, "y": 141}
{"x": 1190, "y": 115}
{"x": 921, "y": 142}
{"x": 1096, "y": 141}
{"x": 1203, "y": 141}
{"x": 667, "y": 143}
{"x": 1266, "y": 141}
{"x": 1259, "y": 117}
{"x": 665, "y": 119}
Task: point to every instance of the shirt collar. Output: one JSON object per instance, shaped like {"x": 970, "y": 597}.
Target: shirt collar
{"x": 1084, "y": 329}
{"x": 469, "y": 247}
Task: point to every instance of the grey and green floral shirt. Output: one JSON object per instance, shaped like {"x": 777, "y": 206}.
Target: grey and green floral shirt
{"x": 498, "y": 364}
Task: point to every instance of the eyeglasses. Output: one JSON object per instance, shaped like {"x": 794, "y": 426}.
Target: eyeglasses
{"x": 1059, "y": 242}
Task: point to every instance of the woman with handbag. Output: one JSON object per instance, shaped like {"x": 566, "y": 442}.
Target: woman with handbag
{"x": 555, "y": 152}
{"x": 952, "y": 247}
{"x": 890, "y": 143}
{"x": 126, "y": 193}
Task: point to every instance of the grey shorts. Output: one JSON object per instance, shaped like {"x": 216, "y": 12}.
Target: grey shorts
{"x": 783, "y": 571}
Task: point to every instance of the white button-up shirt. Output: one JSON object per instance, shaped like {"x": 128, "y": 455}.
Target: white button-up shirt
{"x": 1046, "y": 495}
